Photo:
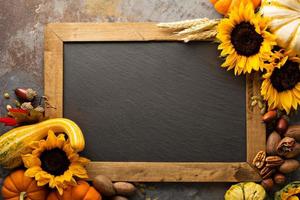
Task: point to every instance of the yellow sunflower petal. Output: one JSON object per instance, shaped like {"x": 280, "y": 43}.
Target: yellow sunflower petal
{"x": 32, "y": 171}
{"x": 43, "y": 178}
{"x": 235, "y": 59}
{"x": 83, "y": 161}
{"x": 68, "y": 149}
{"x": 78, "y": 170}
{"x": 30, "y": 160}
{"x": 296, "y": 91}
{"x": 286, "y": 100}
{"x": 51, "y": 140}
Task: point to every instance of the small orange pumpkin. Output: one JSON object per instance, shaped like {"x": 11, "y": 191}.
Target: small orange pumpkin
{"x": 82, "y": 191}
{"x": 17, "y": 186}
{"x": 223, "y": 6}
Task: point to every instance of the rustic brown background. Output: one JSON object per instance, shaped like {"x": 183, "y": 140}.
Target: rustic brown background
{"x": 21, "y": 54}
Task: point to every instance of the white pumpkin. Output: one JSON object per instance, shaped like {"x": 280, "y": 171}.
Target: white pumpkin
{"x": 285, "y": 22}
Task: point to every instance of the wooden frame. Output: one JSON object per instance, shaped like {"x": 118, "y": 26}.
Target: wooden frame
{"x": 57, "y": 34}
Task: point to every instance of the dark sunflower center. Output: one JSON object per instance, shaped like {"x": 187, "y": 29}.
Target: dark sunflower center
{"x": 286, "y": 77}
{"x": 245, "y": 39}
{"x": 54, "y": 161}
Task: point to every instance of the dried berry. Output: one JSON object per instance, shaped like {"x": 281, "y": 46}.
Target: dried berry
{"x": 269, "y": 116}
{"x": 25, "y": 94}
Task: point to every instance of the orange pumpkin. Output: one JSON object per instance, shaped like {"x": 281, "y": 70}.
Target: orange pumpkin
{"x": 223, "y": 6}
{"x": 82, "y": 191}
{"x": 17, "y": 186}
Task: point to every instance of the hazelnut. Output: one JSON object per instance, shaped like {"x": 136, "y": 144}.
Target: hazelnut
{"x": 268, "y": 183}
{"x": 282, "y": 125}
{"x": 279, "y": 178}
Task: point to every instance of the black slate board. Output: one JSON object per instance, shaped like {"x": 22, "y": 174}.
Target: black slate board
{"x": 155, "y": 101}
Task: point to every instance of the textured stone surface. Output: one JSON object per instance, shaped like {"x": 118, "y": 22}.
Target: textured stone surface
{"x": 21, "y": 55}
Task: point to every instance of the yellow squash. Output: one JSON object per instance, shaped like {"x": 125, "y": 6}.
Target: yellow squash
{"x": 16, "y": 142}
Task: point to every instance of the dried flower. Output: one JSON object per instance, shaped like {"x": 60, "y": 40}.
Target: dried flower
{"x": 25, "y": 94}
{"x": 27, "y": 106}
{"x": 8, "y": 121}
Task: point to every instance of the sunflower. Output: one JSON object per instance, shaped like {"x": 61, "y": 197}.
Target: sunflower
{"x": 245, "y": 42}
{"x": 281, "y": 84}
{"x": 54, "y": 162}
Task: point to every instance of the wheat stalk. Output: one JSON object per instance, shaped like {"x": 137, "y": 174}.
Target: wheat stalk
{"x": 182, "y": 24}
{"x": 199, "y": 27}
{"x": 208, "y": 35}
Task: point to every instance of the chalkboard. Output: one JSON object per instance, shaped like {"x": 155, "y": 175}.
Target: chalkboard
{"x": 152, "y": 108}
{"x": 155, "y": 101}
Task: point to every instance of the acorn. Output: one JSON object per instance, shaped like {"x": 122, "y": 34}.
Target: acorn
{"x": 279, "y": 178}
{"x": 269, "y": 116}
{"x": 25, "y": 94}
{"x": 268, "y": 183}
{"x": 282, "y": 125}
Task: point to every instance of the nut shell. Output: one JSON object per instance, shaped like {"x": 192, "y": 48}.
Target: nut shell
{"x": 269, "y": 116}
{"x": 274, "y": 161}
{"x": 124, "y": 188}
{"x": 272, "y": 143}
{"x": 268, "y": 183}
{"x": 289, "y": 166}
{"x": 104, "y": 185}
{"x": 293, "y": 132}
{"x": 282, "y": 125}
{"x": 295, "y": 152}
{"x": 285, "y": 146}
{"x": 259, "y": 159}
{"x": 119, "y": 198}
{"x": 267, "y": 172}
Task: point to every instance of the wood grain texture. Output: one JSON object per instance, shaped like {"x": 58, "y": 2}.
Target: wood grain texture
{"x": 256, "y": 131}
{"x": 56, "y": 34}
{"x": 53, "y": 73}
{"x": 174, "y": 172}
{"x": 146, "y": 31}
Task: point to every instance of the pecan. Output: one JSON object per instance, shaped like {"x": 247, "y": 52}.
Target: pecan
{"x": 274, "y": 161}
{"x": 285, "y": 146}
{"x": 266, "y": 172}
{"x": 259, "y": 159}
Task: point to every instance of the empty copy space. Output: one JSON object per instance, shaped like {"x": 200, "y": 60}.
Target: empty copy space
{"x": 155, "y": 101}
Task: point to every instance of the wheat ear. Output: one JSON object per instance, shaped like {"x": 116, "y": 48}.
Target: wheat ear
{"x": 182, "y": 24}
{"x": 199, "y": 27}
